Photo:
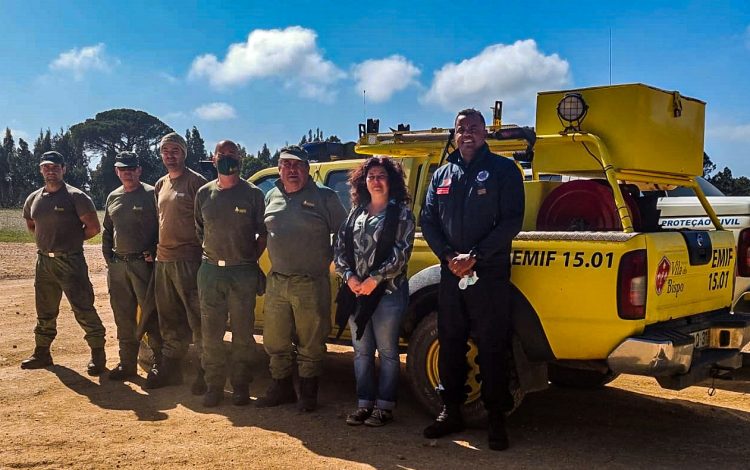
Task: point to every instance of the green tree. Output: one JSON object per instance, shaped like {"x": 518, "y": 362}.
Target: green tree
{"x": 77, "y": 171}
{"x": 196, "y": 153}
{"x": 729, "y": 185}
{"x": 114, "y": 131}
{"x": 24, "y": 171}
{"x": 7, "y": 153}
{"x": 252, "y": 164}
{"x": 708, "y": 165}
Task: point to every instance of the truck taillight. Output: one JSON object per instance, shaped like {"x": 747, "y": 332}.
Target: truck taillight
{"x": 632, "y": 283}
{"x": 743, "y": 253}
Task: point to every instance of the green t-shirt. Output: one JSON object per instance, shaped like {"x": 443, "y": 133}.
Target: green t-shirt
{"x": 57, "y": 218}
{"x": 131, "y": 224}
{"x": 228, "y": 221}
{"x": 175, "y": 201}
{"x": 299, "y": 227}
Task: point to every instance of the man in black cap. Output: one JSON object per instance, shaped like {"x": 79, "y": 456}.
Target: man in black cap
{"x": 61, "y": 217}
{"x": 300, "y": 218}
{"x": 129, "y": 238}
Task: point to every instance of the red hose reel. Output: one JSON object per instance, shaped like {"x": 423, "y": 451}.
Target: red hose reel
{"x": 584, "y": 205}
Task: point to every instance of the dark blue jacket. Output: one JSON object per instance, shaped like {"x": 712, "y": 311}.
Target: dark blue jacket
{"x": 474, "y": 208}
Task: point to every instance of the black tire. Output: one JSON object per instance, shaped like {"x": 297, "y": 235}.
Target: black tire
{"x": 578, "y": 378}
{"x": 423, "y": 376}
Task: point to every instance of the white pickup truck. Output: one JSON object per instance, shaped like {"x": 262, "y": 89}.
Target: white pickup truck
{"x": 680, "y": 209}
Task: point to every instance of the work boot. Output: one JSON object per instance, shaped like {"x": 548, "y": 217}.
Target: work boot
{"x": 241, "y": 394}
{"x": 167, "y": 372}
{"x": 279, "y": 392}
{"x": 199, "y": 384}
{"x": 448, "y": 421}
{"x": 39, "y": 359}
{"x": 497, "y": 435}
{"x": 122, "y": 372}
{"x": 308, "y": 393}
{"x": 98, "y": 362}
{"x": 213, "y": 396}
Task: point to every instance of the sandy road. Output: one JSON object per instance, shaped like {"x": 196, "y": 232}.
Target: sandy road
{"x": 60, "y": 418}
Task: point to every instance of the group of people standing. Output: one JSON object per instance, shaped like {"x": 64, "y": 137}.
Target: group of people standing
{"x": 185, "y": 252}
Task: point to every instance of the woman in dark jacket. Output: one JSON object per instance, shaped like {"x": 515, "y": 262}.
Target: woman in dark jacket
{"x": 371, "y": 255}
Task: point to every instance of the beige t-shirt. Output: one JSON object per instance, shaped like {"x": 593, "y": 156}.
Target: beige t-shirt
{"x": 175, "y": 199}
{"x": 57, "y": 218}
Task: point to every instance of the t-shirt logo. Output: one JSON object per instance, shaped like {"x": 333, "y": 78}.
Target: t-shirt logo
{"x": 308, "y": 204}
{"x": 59, "y": 209}
{"x": 180, "y": 194}
{"x": 240, "y": 210}
{"x": 137, "y": 208}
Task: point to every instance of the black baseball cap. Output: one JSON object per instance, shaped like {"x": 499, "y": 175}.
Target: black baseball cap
{"x": 53, "y": 157}
{"x": 127, "y": 159}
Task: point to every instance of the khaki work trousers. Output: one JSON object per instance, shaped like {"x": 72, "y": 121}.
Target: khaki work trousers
{"x": 131, "y": 284}
{"x": 176, "y": 291}
{"x": 68, "y": 274}
{"x": 227, "y": 293}
{"x": 296, "y": 307}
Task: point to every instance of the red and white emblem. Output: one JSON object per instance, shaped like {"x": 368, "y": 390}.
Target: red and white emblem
{"x": 662, "y": 273}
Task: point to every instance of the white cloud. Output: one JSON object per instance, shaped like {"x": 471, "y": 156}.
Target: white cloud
{"x": 168, "y": 77}
{"x": 381, "y": 78}
{"x": 80, "y": 61}
{"x": 215, "y": 112}
{"x": 289, "y": 54}
{"x": 734, "y": 133}
{"x": 512, "y": 73}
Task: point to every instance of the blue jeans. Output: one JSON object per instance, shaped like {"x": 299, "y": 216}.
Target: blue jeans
{"x": 381, "y": 333}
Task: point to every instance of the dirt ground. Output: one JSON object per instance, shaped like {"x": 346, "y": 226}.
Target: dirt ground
{"x": 61, "y": 418}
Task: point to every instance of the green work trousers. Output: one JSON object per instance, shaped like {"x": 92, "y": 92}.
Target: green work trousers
{"x": 227, "y": 292}
{"x": 296, "y": 307}
{"x": 68, "y": 274}
{"x": 131, "y": 284}
{"x": 176, "y": 292}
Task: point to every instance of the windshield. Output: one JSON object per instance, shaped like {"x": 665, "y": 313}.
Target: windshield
{"x": 708, "y": 190}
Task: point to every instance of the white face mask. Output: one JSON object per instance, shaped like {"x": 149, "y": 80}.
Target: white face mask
{"x": 467, "y": 280}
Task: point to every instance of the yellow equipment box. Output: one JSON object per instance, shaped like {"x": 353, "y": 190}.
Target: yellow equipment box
{"x": 645, "y": 129}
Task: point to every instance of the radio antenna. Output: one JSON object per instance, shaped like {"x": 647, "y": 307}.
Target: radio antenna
{"x": 610, "y": 56}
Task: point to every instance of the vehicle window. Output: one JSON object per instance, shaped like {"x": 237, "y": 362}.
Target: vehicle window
{"x": 266, "y": 183}
{"x": 339, "y": 182}
{"x": 708, "y": 189}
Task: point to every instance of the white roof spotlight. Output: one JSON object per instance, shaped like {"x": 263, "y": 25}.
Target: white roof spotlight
{"x": 572, "y": 110}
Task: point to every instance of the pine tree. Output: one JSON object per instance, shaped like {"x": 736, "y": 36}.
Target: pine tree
{"x": 7, "y": 152}
{"x": 196, "y": 150}
{"x": 25, "y": 175}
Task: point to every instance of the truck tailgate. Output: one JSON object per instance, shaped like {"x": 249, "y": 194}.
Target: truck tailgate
{"x": 689, "y": 272}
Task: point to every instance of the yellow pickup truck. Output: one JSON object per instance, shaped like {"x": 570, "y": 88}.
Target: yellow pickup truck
{"x": 599, "y": 286}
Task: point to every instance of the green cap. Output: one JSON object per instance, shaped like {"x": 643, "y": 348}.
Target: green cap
{"x": 294, "y": 152}
{"x": 126, "y": 159}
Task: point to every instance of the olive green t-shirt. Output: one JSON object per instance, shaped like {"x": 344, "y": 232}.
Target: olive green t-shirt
{"x": 227, "y": 222}
{"x": 57, "y": 218}
{"x": 131, "y": 225}
{"x": 299, "y": 227}
{"x": 175, "y": 200}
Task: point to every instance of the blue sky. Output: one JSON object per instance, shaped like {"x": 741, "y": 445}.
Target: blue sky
{"x": 260, "y": 72}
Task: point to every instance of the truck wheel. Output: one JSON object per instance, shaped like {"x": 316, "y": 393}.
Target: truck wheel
{"x": 578, "y": 378}
{"x": 423, "y": 374}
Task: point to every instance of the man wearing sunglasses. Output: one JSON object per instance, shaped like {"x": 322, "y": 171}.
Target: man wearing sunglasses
{"x": 129, "y": 238}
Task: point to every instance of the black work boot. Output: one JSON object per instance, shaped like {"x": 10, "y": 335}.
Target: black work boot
{"x": 213, "y": 396}
{"x": 497, "y": 435}
{"x": 308, "y": 393}
{"x": 279, "y": 392}
{"x": 98, "y": 362}
{"x": 122, "y": 372}
{"x": 167, "y": 372}
{"x": 199, "y": 384}
{"x": 448, "y": 421}
{"x": 39, "y": 359}
{"x": 240, "y": 394}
